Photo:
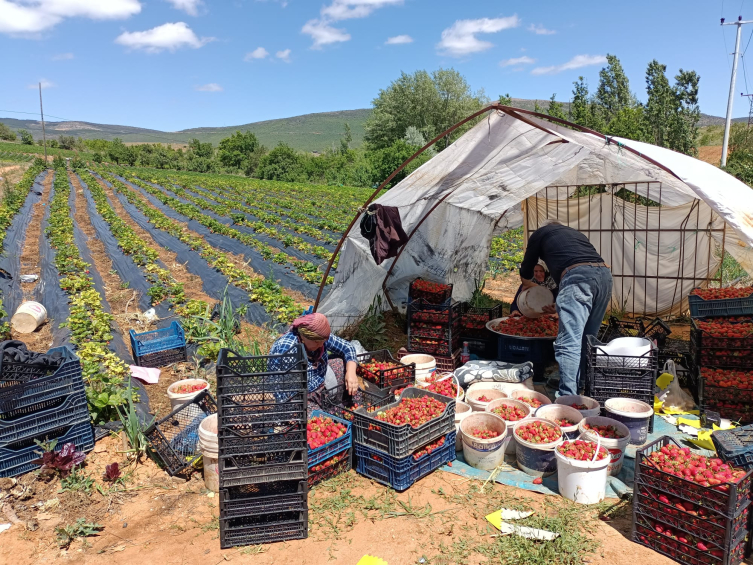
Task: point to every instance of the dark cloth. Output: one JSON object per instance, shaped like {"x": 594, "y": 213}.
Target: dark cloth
{"x": 559, "y": 247}
{"x": 14, "y": 351}
{"x": 548, "y": 282}
{"x": 338, "y": 396}
{"x": 381, "y": 225}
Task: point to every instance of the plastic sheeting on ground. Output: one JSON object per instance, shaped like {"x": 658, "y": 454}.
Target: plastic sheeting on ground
{"x": 616, "y": 486}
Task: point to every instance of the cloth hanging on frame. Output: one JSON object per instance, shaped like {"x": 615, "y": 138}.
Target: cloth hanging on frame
{"x": 382, "y": 227}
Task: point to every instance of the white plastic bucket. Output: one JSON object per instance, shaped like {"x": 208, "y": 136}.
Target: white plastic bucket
{"x": 593, "y": 406}
{"x": 458, "y": 396}
{"x": 510, "y": 445}
{"x": 523, "y": 395}
{"x": 616, "y": 447}
{"x": 28, "y": 317}
{"x": 209, "y": 450}
{"x": 507, "y": 388}
{"x": 636, "y": 415}
{"x": 584, "y": 482}
{"x": 536, "y": 459}
{"x": 486, "y": 454}
{"x": 532, "y": 300}
{"x": 554, "y": 412}
{"x": 179, "y": 399}
{"x": 462, "y": 411}
{"x": 425, "y": 365}
{"x": 472, "y": 398}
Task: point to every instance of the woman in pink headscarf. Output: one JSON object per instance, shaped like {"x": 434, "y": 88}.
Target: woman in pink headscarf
{"x": 313, "y": 331}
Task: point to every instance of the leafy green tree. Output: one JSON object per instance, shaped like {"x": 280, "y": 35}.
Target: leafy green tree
{"x": 7, "y": 134}
{"x": 282, "y": 163}
{"x": 416, "y": 139}
{"x": 117, "y": 151}
{"x": 26, "y": 137}
{"x": 58, "y": 162}
{"x": 346, "y": 139}
{"x": 241, "y": 151}
{"x": 684, "y": 129}
{"x": 67, "y": 142}
{"x": 555, "y": 108}
{"x": 660, "y": 105}
{"x": 385, "y": 161}
{"x": 53, "y": 143}
{"x": 200, "y": 157}
{"x": 579, "y": 111}
{"x": 98, "y": 158}
{"x": 505, "y": 99}
{"x": 629, "y": 123}
{"x": 430, "y": 102}
{"x": 613, "y": 93}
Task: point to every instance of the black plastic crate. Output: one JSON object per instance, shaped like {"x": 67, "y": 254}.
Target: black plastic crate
{"x": 247, "y": 500}
{"x": 440, "y": 296}
{"x": 339, "y": 403}
{"x": 401, "y": 473}
{"x": 241, "y": 467}
{"x": 278, "y": 375}
{"x": 707, "y": 349}
{"x": 695, "y": 519}
{"x": 434, "y": 321}
{"x": 72, "y": 410}
{"x": 603, "y": 363}
{"x": 16, "y": 458}
{"x": 615, "y": 328}
{"x": 257, "y": 437}
{"x": 159, "y": 348}
{"x": 26, "y": 388}
{"x": 435, "y": 347}
{"x": 728, "y": 503}
{"x": 645, "y": 531}
{"x": 263, "y": 528}
{"x": 261, "y": 407}
{"x": 400, "y": 441}
{"x": 448, "y": 363}
{"x": 475, "y": 319}
{"x": 657, "y": 331}
{"x": 386, "y": 378}
{"x": 174, "y": 438}
{"x": 336, "y": 465}
{"x": 729, "y": 401}
{"x": 700, "y": 308}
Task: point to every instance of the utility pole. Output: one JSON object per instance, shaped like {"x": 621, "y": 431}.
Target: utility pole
{"x": 750, "y": 108}
{"x": 739, "y": 23}
{"x": 41, "y": 113}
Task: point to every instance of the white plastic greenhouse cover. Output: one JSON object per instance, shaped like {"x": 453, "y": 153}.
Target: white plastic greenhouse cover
{"x": 483, "y": 178}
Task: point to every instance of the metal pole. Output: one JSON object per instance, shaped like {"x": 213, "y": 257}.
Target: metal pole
{"x": 739, "y": 23}
{"x": 41, "y": 112}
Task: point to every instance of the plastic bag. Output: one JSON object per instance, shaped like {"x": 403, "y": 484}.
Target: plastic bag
{"x": 670, "y": 393}
{"x": 360, "y": 350}
{"x": 493, "y": 371}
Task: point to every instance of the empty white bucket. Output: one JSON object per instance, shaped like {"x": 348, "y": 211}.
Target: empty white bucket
{"x": 28, "y": 317}
{"x": 209, "y": 449}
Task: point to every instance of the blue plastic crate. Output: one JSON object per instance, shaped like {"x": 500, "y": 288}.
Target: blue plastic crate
{"x": 324, "y": 452}
{"x": 158, "y": 348}
{"x": 720, "y": 308}
{"x": 735, "y": 446}
{"x": 402, "y": 473}
{"x": 42, "y": 391}
{"x": 16, "y": 458}
{"x": 73, "y": 410}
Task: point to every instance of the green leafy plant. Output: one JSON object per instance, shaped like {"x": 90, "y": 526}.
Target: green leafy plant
{"x": 77, "y": 481}
{"x": 132, "y": 426}
{"x": 370, "y": 330}
{"x": 80, "y": 529}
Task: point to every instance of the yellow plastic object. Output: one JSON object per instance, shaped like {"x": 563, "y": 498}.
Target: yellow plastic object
{"x": 495, "y": 519}
{"x": 659, "y": 409}
{"x": 664, "y": 379}
{"x": 369, "y": 560}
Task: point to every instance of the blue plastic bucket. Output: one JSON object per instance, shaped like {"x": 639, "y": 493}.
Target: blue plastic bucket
{"x": 536, "y": 459}
{"x": 636, "y": 415}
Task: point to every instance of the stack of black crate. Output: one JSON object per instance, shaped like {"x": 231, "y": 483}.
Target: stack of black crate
{"x": 263, "y": 458}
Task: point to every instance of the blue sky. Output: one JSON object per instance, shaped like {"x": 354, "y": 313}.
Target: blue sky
{"x": 175, "y": 64}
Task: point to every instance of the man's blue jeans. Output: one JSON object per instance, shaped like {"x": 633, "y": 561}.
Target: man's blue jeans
{"x": 582, "y": 301}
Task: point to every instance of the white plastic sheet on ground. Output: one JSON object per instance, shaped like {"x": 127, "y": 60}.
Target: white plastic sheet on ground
{"x": 474, "y": 189}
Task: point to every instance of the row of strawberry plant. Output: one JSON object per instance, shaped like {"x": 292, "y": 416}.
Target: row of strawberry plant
{"x": 264, "y": 291}
{"x": 91, "y": 331}
{"x": 306, "y": 270}
{"x": 12, "y": 201}
{"x": 163, "y": 285}
{"x": 226, "y": 211}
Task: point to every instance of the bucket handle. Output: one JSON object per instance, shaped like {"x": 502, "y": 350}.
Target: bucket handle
{"x": 598, "y": 446}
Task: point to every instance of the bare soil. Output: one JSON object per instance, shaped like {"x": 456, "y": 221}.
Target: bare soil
{"x": 711, "y": 154}
{"x": 503, "y": 287}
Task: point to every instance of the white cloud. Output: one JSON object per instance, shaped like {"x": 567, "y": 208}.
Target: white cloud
{"x": 283, "y": 55}
{"x": 44, "y": 82}
{"x": 399, "y": 40}
{"x": 575, "y": 63}
{"x": 211, "y": 87}
{"x": 517, "y": 61}
{"x": 190, "y": 7}
{"x": 62, "y": 57}
{"x": 258, "y": 53}
{"x": 460, "y": 39}
{"x": 323, "y": 34}
{"x": 539, "y": 29}
{"x": 25, "y": 17}
{"x": 169, "y": 36}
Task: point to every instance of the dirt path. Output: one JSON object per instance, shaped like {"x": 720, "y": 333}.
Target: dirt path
{"x": 158, "y": 520}
{"x": 41, "y": 339}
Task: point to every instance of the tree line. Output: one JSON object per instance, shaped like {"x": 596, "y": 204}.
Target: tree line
{"x": 414, "y": 109}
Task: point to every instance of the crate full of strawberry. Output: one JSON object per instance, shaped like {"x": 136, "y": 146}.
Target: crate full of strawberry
{"x": 336, "y": 465}
{"x": 721, "y": 334}
{"x": 475, "y": 319}
{"x": 400, "y": 473}
{"x": 432, "y": 292}
{"x": 721, "y": 302}
{"x": 433, "y": 346}
{"x": 381, "y": 369}
{"x": 670, "y": 469}
{"x": 326, "y": 434}
{"x": 400, "y": 428}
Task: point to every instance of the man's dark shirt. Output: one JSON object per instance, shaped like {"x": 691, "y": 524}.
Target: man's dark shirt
{"x": 559, "y": 247}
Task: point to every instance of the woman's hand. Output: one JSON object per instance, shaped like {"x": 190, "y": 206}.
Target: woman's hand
{"x": 351, "y": 380}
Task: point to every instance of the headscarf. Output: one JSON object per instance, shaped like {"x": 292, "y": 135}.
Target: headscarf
{"x": 312, "y": 326}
